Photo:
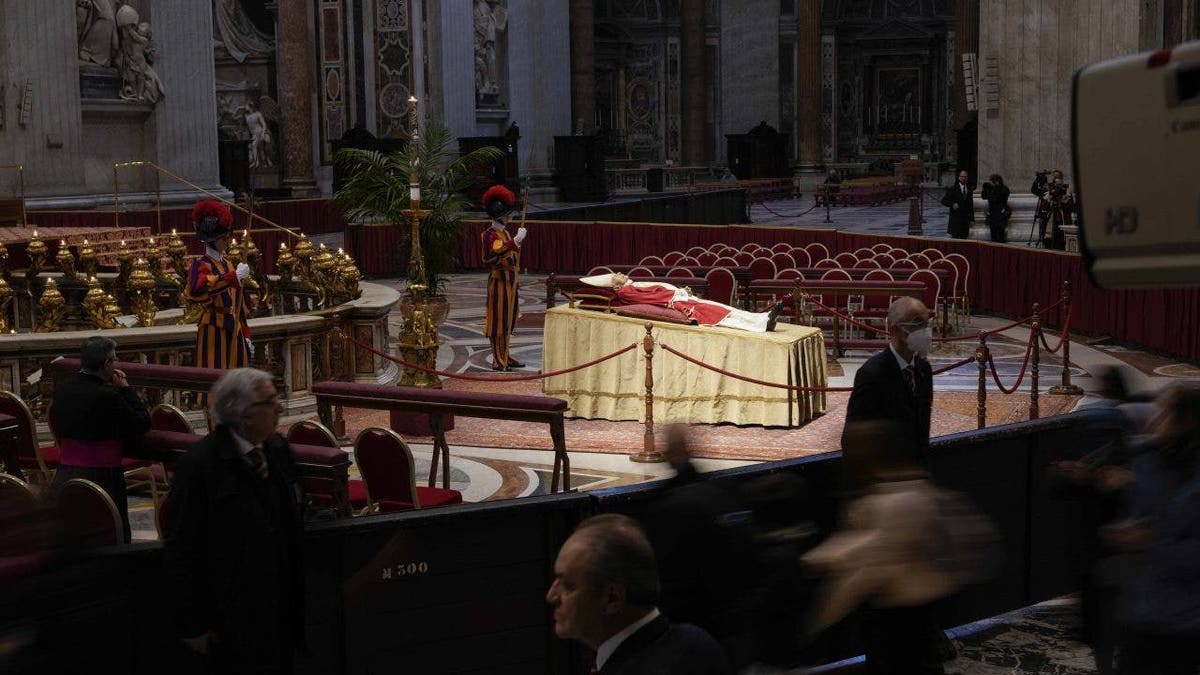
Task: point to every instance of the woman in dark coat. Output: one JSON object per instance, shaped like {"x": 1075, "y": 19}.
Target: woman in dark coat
{"x": 998, "y": 213}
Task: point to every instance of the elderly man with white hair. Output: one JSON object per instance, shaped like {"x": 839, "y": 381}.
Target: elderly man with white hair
{"x": 233, "y": 534}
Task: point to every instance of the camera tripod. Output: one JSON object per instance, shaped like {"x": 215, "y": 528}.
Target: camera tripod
{"x": 1046, "y": 213}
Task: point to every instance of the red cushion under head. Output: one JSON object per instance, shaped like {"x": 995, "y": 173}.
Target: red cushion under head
{"x": 653, "y": 313}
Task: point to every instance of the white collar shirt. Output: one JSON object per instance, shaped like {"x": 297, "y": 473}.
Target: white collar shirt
{"x": 911, "y": 363}
{"x": 244, "y": 446}
{"x": 606, "y": 649}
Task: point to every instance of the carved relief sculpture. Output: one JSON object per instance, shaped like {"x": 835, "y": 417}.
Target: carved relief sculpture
{"x": 95, "y": 22}
{"x": 491, "y": 19}
{"x": 139, "y": 82}
{"x": 237, "y": 34}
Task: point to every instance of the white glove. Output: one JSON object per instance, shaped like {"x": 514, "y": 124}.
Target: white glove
{"x": 521, "y": 233}
{"x": 243, "y": 271}
{"x": 250, "y": 348}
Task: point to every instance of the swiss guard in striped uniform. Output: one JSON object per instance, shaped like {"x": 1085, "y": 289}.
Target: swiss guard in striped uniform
{"x": 214, "y": 283}
{"x": 502, "y": 257}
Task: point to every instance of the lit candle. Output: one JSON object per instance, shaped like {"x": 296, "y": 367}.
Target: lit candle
{"x": 173, "y": 232}
{"x": 414, "y": 193}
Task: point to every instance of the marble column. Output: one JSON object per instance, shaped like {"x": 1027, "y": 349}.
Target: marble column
{"x": 966, "y": 41}
{"x": 692, "y": 57}
{"x": 583, "y": 65}
{"x": 808, "y": 82}
{"x": 295, "y": 84}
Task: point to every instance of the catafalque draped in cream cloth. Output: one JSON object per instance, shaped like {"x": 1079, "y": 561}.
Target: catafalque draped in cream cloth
{"x": 683, "y": 391}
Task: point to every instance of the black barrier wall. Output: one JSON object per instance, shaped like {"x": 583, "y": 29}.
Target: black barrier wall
{"x": 461, "y": 589}
{"x": 714, "y": 207}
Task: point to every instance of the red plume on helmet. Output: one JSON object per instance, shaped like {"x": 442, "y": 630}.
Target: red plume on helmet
{"x": 212, "y": 220}
{"x": 498, "y": 200}
{"x": 214, "y": 208}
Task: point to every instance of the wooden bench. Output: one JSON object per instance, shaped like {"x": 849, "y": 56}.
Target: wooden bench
{"x": 439, "y": 402}
{"x": 329, "y": 465}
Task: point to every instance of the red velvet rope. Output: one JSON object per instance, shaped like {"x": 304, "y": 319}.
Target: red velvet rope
{"x": 784, "y": 215}
{"x": 1062, "y": 336}
{"x": 952, "y": 366}
{"x": 1021, "y": 375}
{"x": 789, "y": 387}
{"x": 491, "y": 378}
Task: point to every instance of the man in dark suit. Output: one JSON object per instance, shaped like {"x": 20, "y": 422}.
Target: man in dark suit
{"x": 98, "y": 418}
{"x": 233, "y": 535}
{"x": 897, "y": 383}
{"x": 604, "y": 594}
{"x": 962, "y": 207}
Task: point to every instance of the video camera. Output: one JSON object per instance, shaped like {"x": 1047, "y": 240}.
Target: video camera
{"x": 1130, "y": 115}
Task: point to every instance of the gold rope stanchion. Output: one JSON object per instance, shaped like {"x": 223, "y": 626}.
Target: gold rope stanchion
{"x": 1066, "y": 388}
{"x": 649, "y": 451}
{"x": 1035, "y": 337}
{"x": 981, "y": 357}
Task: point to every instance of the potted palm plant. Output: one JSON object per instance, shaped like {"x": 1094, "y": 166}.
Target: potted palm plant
{"x": 376, "y": 190}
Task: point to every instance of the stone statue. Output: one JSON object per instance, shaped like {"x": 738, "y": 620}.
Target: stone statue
{"x": 262, "y": 146}
{"x": 491, "y": 19}
{"x": 139, "y": 82}
{"x": 237, "y": 34}
{"x": 96, "y": 31}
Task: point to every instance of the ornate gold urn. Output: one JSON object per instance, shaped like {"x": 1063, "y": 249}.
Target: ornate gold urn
{"x": 87, "y": 259}
{"x": 141, "y": 289}
{"x": 65, "y": 260}
{"x": 50, "y": 307}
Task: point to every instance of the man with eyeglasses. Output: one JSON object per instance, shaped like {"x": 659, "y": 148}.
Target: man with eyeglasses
{"x": 98, "y": 419}
{"x": 897, "y": 383}
{"x": 233, "y": 530}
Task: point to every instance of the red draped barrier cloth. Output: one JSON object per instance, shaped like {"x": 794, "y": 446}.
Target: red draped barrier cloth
{"x": 1166, "y": 320}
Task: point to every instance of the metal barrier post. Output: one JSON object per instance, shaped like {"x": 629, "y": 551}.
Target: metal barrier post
{"x": 1066, "y": 388}
{"x": 649, "y": 451}
{"x": 981, "y": 358}
{"x": 1035, "y": 334}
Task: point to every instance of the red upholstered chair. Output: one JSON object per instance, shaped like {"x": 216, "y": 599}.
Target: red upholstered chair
{"x": 650, "y": 260}
{"x": 640, "y": 273}
{"x": 725, "y": 261}
{"x": 790, "y": 273}
{"x": 827, "y": 264}
{"x": 846, "y": 260}
{"x": 87, "y": 515}
{"x": 800, "y": 255}
{"x": 885, "y": 260}
{"x": 817, "y": 251}
{"x": 932, "y": 287}
{"x": 743, "y": 259}
{"x": 920, "y": 259}
{"x": 750, "y": 247}
{"x": 672, "y": 258}
{"x": 960, "y": 292}
{"x": 904, "y": 264}
{"x": 40, "y": 461}
{"x": 679, "y": 272}
{"x": 696, "y": 250}
{"x": 762, "y": 268}
{"x": 599, "y": 269}
{"x": 783, "y": 260}
{"x": 782, "y": 247}
{"x": 948, "y": 299}
{"x": 875, "y": 307}
{"x": 762, "y": 253}
{"x": 166, "y": 417}
{"x": 898, "y": 253}
{"x": 864, "y": 252}
{"x": 688, "y": 260}
{"x": 881, "y": 247}
{"x": 721, "y": 285}
{"x": 933, "y": 254}
{"x": 866, "y": 263}
{"x": 386, "y": 463}
{"x": 320, "y": 491}
{"x": 708, "y": 258}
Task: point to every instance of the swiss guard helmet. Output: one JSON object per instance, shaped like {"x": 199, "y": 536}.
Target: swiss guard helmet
{"x": 498, "y": 201}
{"x": 212, "y": 220}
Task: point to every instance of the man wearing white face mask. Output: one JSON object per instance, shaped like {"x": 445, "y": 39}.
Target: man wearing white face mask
{"x": 897, "y": 383}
